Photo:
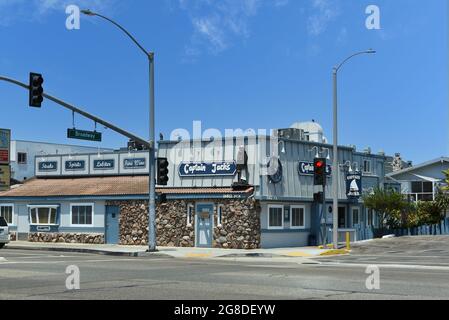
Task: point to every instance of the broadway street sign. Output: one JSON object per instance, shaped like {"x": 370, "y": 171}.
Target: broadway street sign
{"x": 84, "y": 135}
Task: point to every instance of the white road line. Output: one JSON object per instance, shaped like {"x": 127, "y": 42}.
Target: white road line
{"x": 386, "y": 266}
{"x": 72, "y": 261}
{"x": 2, "y": 260}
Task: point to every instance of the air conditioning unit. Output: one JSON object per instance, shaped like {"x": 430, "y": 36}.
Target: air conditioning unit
{"x": 292, "y": 134}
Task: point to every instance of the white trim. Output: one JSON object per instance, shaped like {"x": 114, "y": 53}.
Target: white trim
{"x": 92, "y": 205}
{"x": 268, "y": 217}
{"x": 370, "y": 166}
{"x": 220, "y": 215}
{"x": 304, "y": 217}
{"x": 31, "y": 207}
{"x": 190, "y": 217}
{"x": 9, "y": 205}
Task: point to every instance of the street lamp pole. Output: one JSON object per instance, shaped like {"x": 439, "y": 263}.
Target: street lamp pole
{"x": 335, "y": 168}
{"x": 152, "y": 161}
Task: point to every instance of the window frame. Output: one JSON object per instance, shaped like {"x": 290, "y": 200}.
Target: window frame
{"x": 358, "y": 216}
{"x": 92, "y": 224}
{"x": 31, "y": 207}
{"x": 18, "y": 158}
{"x": 303, "y": 207}
{"x": 190, "y": 206}
{"x": 368, "y": 211}
{"x": 220, "y": 215}
{"x": 12, "y": 213}
{"x": 282, "y": 216}
{"x": 370, "y": 171}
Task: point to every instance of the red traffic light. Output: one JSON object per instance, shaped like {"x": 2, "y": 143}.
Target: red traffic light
{"x": 319, "y": 164}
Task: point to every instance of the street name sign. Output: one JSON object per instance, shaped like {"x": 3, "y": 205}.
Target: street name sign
{"x": 84, "y": 135}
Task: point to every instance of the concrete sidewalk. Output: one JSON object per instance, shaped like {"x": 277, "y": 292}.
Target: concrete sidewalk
{"x": 175, "y": 252}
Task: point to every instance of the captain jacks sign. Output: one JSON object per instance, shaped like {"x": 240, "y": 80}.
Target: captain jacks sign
{"x": 353, "y": 185}
{"x": 202, "y": 169}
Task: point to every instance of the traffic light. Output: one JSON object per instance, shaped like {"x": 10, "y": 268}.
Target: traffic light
{"x": 36, "y": 90}
{"x": 162, "y": 171}
{"x": 319, "y": 171}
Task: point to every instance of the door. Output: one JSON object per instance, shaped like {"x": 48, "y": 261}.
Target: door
{"x": 204, "y": 227}
{"x": 112, "y": 224}
{"x": 341, "y": 217}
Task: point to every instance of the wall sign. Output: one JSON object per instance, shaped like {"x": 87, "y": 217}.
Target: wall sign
{"x": 307, "y": 168}
{"x": 201, "y": 169}
{"x": 48, "y": 166}
{"x": 278, "y": 175}
{"x": 108, "y": 164}
{"x": 77, "y": 165}
{"x": 5, "y": 141}
{"x": 136, "y": 163}
{"x": 5, "y": 177}
{"x": 354, "y": 185}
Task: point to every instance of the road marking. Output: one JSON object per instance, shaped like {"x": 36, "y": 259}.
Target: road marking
{"x": 198, "y": 255}
{"x": 298, "y": 254}
{"x": 391, "y": 266}
{"x": 2, "y": 260}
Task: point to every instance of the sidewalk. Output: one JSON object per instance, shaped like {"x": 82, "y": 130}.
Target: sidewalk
{"x": 175, "y": 252}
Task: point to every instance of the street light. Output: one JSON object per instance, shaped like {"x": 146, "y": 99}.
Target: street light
{"x": 152, "y": 171}
{"x": 335, "y": 169}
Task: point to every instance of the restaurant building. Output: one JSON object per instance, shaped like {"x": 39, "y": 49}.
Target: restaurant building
{"x": 248, "y": 192}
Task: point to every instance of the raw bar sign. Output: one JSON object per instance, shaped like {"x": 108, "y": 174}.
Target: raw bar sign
{"x": 353, "y": 185}
{"x": 307, "y": 168}
{"x": 139, "y": 163}
{"x": 204, "y": 169}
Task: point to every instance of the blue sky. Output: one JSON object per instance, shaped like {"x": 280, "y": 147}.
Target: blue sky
{"x": 234, "y": 64}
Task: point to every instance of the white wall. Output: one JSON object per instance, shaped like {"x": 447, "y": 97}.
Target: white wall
{"x": 33, "y": 149}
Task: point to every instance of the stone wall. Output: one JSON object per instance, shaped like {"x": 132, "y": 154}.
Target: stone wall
{"x": 133, "y": 222}
{"x": 240, "y": 228}
{"x": 66, "y": 238}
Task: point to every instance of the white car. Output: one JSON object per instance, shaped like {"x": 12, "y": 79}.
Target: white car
{"x": 4, "y": 232}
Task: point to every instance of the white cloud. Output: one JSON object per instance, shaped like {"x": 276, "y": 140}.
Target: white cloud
{"x": 324, "y": 12}
{"x": 217, "y": 24}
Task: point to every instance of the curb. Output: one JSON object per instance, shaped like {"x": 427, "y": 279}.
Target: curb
{"x": 92, "y": 251}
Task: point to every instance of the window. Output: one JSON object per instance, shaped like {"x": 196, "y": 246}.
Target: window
{"x": 297, "y": 220}
{"x": 219, "y": 215}
{"x": 422, "y": 191}
{"x": 190, "y": 209}
{"x": 82, "y": 214}
{"x": 43, "y": 215}
{"x": 21, "y": 158}
{"x": 366, "y": 166}
{"x": 369, "y": 220}
{"x": 355, "y": 216}
{"x": 275, "y": 217}
{"x": 7, "y": 212}
{"x": 3, "y": 222}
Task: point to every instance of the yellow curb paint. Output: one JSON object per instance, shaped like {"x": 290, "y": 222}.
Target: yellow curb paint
{"x": 298, "y": 254}
{"x": 334, "y": 252}
{"x": 198, "y": 255}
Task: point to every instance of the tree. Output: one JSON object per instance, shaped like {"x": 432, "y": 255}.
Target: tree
{"x": 389, "y": 204}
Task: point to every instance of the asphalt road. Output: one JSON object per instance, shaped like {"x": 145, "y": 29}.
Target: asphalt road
{"x": 405, "y": 274}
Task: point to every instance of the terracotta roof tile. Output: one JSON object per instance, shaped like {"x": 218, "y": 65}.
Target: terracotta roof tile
{"x": 101, "y": 186}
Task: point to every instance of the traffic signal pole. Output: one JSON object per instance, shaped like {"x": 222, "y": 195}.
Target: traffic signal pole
{"x": 81, "y": 112}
